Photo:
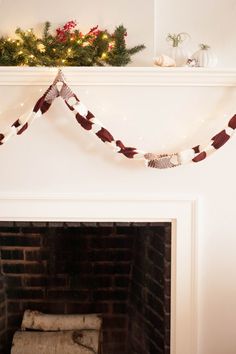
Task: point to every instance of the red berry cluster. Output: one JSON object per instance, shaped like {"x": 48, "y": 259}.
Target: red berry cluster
{"x": 63, "y": 32}
{"x": 94, "y": 31}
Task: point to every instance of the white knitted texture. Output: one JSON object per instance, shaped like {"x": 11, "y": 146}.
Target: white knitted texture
{"x": 185, "y": 156}
{"x": 95, "y": 128}
{"x": 229, "y": 131}
{"x": 81, "y": 109}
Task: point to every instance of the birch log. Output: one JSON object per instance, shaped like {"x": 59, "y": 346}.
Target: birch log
{"x": 64, "y": 342}
{"x": 44, "y": 322}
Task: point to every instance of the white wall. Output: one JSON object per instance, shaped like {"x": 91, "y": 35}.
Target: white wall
{"x": 136, "y": 15}
{"x": 56, "y": 156}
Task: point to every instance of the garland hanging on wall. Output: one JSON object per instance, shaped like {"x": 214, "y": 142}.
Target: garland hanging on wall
{"x": 68, "y": 46}
{"x": 90, "y": 123}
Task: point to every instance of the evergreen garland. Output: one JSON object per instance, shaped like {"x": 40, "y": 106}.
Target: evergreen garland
{"x": 67, "y": 47}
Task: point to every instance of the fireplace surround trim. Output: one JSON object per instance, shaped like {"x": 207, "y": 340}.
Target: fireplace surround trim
{"x": 182, "y": 213}
{"x": 116, "y": 76}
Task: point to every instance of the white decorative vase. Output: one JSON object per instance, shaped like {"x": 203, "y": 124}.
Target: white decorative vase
{"x": 179, "y": 54}
{"x": 205, "y": 57}
{"x": 178, "y": 50}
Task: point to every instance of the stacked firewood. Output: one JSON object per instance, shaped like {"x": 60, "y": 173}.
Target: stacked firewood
{"x": 58, "y": 334}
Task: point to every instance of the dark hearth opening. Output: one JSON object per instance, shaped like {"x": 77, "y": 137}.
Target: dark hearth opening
{"x": 119, "y": 270}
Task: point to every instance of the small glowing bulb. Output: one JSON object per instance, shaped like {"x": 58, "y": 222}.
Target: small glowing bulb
{"x": 63, "y": 60}
{"x": 54, "y": 49}
{"x": 69, "y": 50}
{"x": 104, "y": 55}
{"x": 31, "y": 56}
{"x": 105, "y": 36}
{"x": 20, "y": 52}
{"x": 18, "y": 43}
{"x": 85, "y": 44}
{"x": 29, "y": 30}
{"x": 9, "y": 39}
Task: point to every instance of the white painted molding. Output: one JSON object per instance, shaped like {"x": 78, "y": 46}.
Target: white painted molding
{"x": 116, "y": 76}
{"x": 182, "y": 215}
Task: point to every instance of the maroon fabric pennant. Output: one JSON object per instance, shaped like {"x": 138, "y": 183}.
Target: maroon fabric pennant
{"x": 220, "y": 139}
{"x": 105, "y": 136}
{"x": 87, "y": 125}
{"x": 200, "y": 157}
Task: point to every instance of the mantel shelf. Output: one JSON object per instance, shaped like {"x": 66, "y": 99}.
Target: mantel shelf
{"x": 128, "y": 76}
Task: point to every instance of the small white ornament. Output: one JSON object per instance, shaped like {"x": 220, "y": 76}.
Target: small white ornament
{"x": 165, "y": 60}
{"x": 205, "y": 57}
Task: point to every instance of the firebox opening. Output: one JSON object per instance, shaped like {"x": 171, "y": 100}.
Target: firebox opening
{"x": 119, "y": 270}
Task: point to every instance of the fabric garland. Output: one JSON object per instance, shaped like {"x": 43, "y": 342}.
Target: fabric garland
{"x": 90, "y": 123}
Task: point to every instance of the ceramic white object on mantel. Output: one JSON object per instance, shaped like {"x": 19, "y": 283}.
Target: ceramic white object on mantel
{"x": 180, "y": 55}
{"x": 205, "y": 57}
{"x": 178, "y": 50}
{"x": 164, "y": 61}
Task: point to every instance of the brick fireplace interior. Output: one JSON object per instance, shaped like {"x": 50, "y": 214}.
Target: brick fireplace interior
{"x": 119, "y": 270}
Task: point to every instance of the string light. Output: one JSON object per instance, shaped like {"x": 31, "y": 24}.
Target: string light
{"x": 111, "y": 44}
{"x": 104, "y": 55}
{"x": 20, "y": 52}
{"x": 31, "y": 56}
{"x": 105, "y": 36}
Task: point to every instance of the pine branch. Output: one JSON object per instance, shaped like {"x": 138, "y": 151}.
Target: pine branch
{"x": 67, "y": 47}
{"x": 136, "y": 49}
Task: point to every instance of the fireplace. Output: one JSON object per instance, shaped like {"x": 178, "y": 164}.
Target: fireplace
{"x": 89, "y": 208}
{"x": 119, "y": 270}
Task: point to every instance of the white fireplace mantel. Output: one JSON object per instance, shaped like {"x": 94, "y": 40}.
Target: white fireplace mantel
{"x": 116, "y": 76}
